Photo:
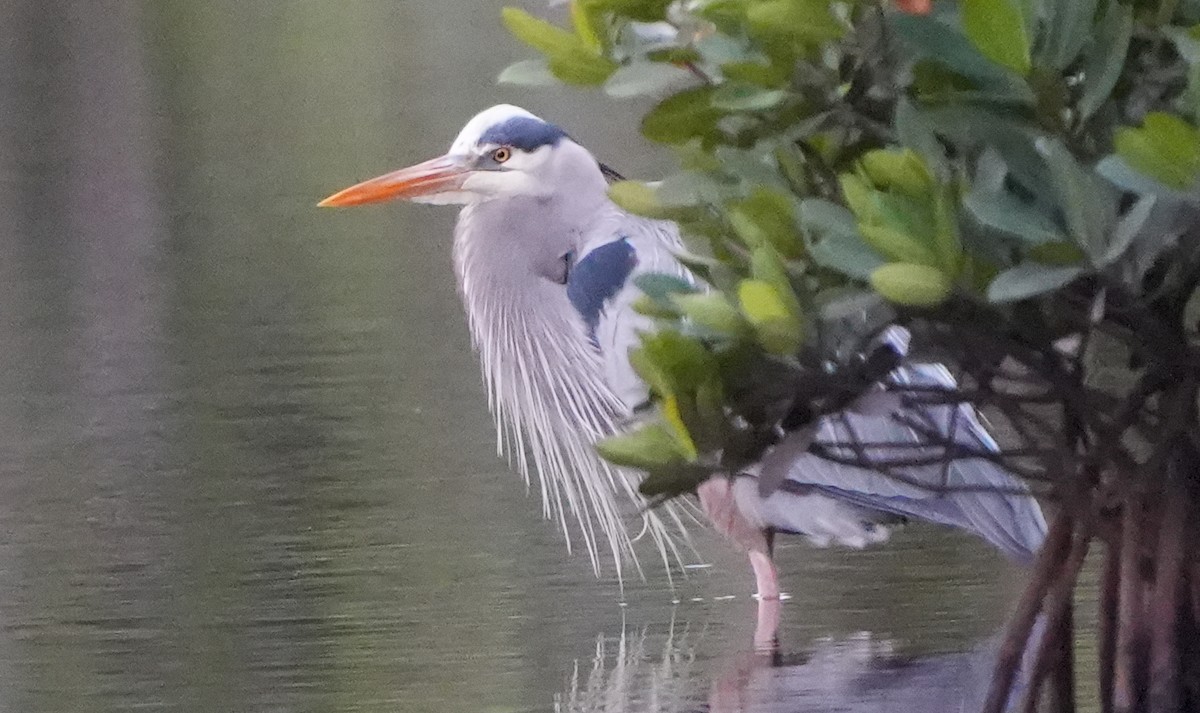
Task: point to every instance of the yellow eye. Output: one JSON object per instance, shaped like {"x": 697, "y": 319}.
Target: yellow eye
{"x": 502, "y": 154}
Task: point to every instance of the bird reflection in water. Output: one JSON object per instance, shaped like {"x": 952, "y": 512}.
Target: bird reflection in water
{"x": 859, "y": 673}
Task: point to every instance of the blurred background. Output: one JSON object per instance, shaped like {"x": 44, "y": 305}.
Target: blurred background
{"x": 245, "y": 458}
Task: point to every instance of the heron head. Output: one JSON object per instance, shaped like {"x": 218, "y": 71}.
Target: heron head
{"x": 503, "y": 151}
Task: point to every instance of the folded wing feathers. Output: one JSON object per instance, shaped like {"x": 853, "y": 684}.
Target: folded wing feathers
{"x": 974, "y": 494}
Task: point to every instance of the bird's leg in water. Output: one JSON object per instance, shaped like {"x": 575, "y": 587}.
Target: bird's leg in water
{"x": 766, "y": 629}
{"x": 765, "y": 575}
{"x": 719, "y": 503}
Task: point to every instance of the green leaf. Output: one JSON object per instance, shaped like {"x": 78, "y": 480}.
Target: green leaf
{"x": 678, "y": 362}
{"x": 690, "y": 188}
{"x": 848, "y": 254}
{"x": 1128, "y": 228}
{"x": 1030, "y": 280}
{"x": 740, "y": 96}
{"x": 587, "y": 27}
{"x": 801, "y": 21}
{"x": 897, "y": 244}
{"x": 761, "y": 301}
{"x": 766, "y": 265}
{"x": 702, "y": 267}
{"x": 778, "y": 330}
{"x": 686, "y": 115}
{"x": 582, "y": 68}
{"x": 567, "y": 56}
{"x": 639, "y": 199}
{"x": 861, "y": 197}
{"x": 693, "y": 157}
{"x": 997, "y": 28}
{"x": 968, "y": 126}
{"x": 1064, "y": 254}
{"x": 1187, "y": 42}
{"x": 1067, "y": 28}
{"x": 651, "y": 373}
{"x": 640, "y": 10}
{"x": 648, "y": 307}
{"x": 746, "y": 229}
{"x": 1165, "y": 148}
{"x": 648, "y": 447}
{"x": 674, "y": 479}
{"x": 1005, "y": 212}
{"x": 543, "y": 36}
{"x": 718, "y": 48}
{"x": 903, "y": 170}
{"x": 773, "y": 213}
{"x": 915, "y": 132}
{"x": 1122, "y": 175}
{"x": 710, "y": 310}
{"x": 946, "y": 240}
{"x": 639, "y": 78}
{"x": 762, "y": 75}
{"x": 1086, "y": 204}
{"x": 674, "y": 419}
{"x": 1106, "y": 58}
{"x": 753, "y": 166}
{"x": 824, "y": 217}
{"x": 911, "y": 285}
{"x": 528, "y": 73}
{"x": 836, "y": 243}
{"x": 710, "y": 412}
{"x": 947, "y": 46}
{"x": 661, "y": 287}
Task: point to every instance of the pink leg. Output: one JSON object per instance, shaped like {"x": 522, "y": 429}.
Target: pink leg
{"x": 765, "y": 575}
{"x": 766, "y": 629}
{"x": 718, "y": 502}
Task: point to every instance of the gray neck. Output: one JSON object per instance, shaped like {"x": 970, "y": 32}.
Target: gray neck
{"x": 513, "y": 249}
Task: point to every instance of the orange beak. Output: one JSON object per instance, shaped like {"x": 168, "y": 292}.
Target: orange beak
{"x": 434, "y": 176}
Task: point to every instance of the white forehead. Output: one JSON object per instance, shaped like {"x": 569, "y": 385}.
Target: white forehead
{"x": 470, "y": 135}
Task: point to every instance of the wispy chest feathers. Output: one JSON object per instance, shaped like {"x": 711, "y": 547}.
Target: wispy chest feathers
{"x": 546, "y": 388}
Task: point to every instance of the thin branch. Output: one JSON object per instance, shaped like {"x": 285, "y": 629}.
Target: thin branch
{"x": 971, "y": 396}
{"x": 960, "y": 451}
{"x": 885, "y": 468}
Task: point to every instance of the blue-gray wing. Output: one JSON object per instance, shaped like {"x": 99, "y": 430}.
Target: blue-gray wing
{"x": 975, "y": 494}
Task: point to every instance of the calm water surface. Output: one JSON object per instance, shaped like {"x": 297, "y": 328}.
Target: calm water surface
{"x": 245, "y": 463}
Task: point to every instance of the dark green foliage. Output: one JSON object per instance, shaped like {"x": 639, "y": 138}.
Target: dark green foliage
{"x": 993, "y": 151}
{"x": 1016, "y": 181}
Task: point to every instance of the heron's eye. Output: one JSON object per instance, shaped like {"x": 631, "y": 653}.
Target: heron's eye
{"x": 502, "y": 154}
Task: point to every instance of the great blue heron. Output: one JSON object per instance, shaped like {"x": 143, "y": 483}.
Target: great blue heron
{"x": 545, "y": 265}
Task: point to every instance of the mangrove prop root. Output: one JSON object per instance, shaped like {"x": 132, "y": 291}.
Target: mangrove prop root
{"x": 1127, "y": 678}
{"x": 1055, "y": 650}
{"x": 1049, "y": 560}
{"x": 1110, "y": 580}
{"x": 1165, "y": 620}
